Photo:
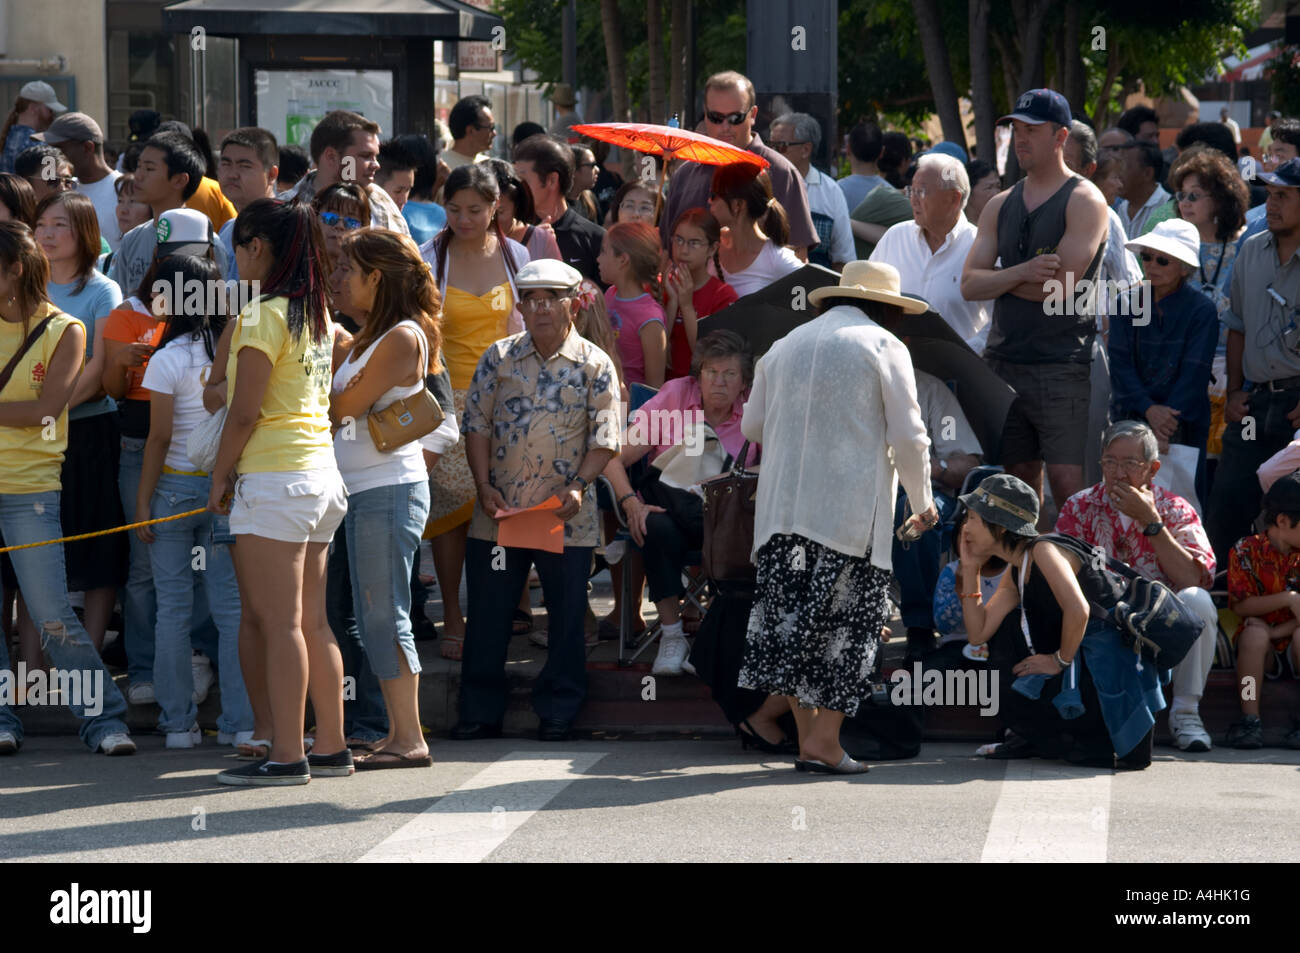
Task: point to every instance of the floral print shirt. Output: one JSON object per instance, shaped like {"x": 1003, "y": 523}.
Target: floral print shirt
{"x": 1258, "y": 568}
{"x": 542, "y": 417}
{"x": 1089, "y": 516}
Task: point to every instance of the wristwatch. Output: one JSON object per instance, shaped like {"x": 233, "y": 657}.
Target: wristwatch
{"x": 577, "y": 479}
{"x": 1153, "y": 529}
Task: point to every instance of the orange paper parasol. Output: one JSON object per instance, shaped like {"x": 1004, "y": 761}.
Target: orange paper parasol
{"x": 669, "y": 142}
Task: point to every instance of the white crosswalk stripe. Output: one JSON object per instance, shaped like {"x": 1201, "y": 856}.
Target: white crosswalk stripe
{"x": 466, "y": 825}
{"x": 1050, "y": 813}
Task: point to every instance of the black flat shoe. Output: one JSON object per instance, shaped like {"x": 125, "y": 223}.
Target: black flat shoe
{"x": 474, "y": 731}
{"x": 553, "y": 729}
{"x": 749, "y": 738}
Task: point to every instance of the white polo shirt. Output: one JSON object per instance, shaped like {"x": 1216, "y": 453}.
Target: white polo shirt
{"x": 936, "y": 276}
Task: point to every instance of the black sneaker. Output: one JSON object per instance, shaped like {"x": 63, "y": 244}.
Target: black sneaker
{"x": 1247, "y": 733}
{"x": 265, "y": 774}
{"x": 337, "y": 765}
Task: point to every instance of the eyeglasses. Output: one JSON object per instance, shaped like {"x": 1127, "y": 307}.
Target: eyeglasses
{"x": 1190, "y": 196}
{"x": 586, "y": 165}
{"x": 694, "y": 244}
{"x": 334, "y": 218}
{"x": 915, "y": 192}
{"x": 644, "y": 208}
{"x": 1148, "y": 258}
{"x": 780, "y": 145}
{"x": 718, "y": 119}
{"x": 536, "y": 305}
{"x": 1128, "y": 466}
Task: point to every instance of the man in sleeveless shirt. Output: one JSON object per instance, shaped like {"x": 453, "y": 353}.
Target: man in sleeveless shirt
{"x": 1037, "y": 242}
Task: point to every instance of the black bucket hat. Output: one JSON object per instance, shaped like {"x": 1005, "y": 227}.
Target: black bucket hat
{"x": 1007, "y": 501}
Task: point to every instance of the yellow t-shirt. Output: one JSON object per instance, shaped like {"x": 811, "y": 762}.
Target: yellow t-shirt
{"x": 293, "y": 426}
{"x": 29, "y": 462}
{"x": 211, "y": 202}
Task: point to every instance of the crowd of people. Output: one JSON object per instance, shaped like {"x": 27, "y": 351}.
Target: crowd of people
{"x": 414, "y": 340}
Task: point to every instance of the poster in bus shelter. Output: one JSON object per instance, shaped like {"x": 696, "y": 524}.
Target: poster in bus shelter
{"x": 291, "y": 102}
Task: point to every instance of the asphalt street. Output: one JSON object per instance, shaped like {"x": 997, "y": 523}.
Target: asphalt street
{"x": 516, "y": 799}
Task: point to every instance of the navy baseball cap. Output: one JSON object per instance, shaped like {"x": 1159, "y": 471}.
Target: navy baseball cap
{"x": 1039, "y": 106}
{"x": 1288, "y": 174}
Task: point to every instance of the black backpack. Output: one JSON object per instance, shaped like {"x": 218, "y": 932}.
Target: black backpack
{"x": 1150, "y": 617}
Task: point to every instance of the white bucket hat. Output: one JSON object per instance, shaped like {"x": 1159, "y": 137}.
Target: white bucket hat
{"x": 1174, "y": 237}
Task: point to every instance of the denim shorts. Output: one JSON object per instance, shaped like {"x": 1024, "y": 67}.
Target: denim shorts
{"x": 294, "y": 506}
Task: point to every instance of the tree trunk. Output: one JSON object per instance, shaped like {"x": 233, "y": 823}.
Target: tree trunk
{"x": 1114, "y": 62}
{"x": 655, "y": 58}
{"x": 1032, "y": 37}
{"x": 615, "y": 58}
{"x": 939, "y": 70}
{"x": 1009, "y": 66}
{"x": 1076, "y": 80}
{"x": 981, "y": 76}
{"x": 677, "y": 72}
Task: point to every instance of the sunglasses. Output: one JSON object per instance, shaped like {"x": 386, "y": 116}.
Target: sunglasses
{"x": 1190, "y": 196}
{"x": 1147, "y": 258}
{"x": 781, "y": 145}
{"x": 334, "y": 218}
{"x": 718, "y": 119}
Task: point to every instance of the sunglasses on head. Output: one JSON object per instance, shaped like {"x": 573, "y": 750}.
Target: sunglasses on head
{"x": 718, "y": 119}
{"x": 1148, "y": 257}
{"x": 334, "y": 218}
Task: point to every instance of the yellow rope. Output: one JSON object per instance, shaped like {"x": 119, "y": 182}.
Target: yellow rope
{"x": 105, "y": 532}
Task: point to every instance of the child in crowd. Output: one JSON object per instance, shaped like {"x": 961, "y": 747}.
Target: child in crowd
{"x": 130, "y": 212}
{"x": 169, "y": 485}
{"x": 692, "y": 292}
{"x": 1263, "y": 584}
{"x": 637, "y": 202}
{"x": 629, "y": 262}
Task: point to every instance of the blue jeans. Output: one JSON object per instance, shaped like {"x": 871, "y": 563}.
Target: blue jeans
{"x": 173, "y": 557}
{"x": 383, "y": 527}
{"x": 917, "y": 566}
{"x": 139, "y": 607}
{"x": 561, "y": 688}
{"x": 31, "y": 518}
{"x": 364, "y": 714}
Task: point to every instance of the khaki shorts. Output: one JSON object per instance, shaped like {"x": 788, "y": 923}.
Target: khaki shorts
{"x": 294, "y": 506}
{"x": 1049, "y": 419}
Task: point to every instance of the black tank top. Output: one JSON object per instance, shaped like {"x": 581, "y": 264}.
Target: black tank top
{"x": 1023, "y": 332}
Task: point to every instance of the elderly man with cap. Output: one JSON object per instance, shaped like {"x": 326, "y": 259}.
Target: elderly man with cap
{"x": 541, "y": 422}
{"x": 1160, "y": 358}
{"x": 1048, "y": 231}
{"x": 930, "y": 251}
{"x": 34, "y": 109}
{"x": 82, "y": 141}
{"x": 1263, "y": 322}
{"x": 834, "y": 406}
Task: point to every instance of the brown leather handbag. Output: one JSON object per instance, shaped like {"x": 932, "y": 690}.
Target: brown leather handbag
{"x": 729, "y": 503}
{"x": 404, "y": 420}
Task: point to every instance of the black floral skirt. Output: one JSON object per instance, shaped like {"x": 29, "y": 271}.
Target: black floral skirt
{"x": 815, "y": 628}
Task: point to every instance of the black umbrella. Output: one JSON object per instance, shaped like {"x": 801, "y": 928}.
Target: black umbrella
{"x": 769, "y": 314}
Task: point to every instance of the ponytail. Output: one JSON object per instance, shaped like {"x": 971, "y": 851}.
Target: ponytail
{"x": 742, "y": 182}
{"x": 775, "y": 224}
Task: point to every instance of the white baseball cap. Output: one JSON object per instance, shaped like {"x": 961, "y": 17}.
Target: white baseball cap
{"x": 43, "y": 93}
{"x": 184, "y": 231}
{"x": 1175, "y": 237}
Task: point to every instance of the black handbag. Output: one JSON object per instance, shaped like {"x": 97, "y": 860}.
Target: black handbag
{"x": 1151, "y": 618}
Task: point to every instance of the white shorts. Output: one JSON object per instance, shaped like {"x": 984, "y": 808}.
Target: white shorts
{"x": 294, "y": 506}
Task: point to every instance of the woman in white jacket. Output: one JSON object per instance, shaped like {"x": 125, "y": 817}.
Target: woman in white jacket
{"x": 834, "y": 405}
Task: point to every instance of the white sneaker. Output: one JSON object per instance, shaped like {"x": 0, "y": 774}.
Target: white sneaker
{"x": 614, "y": 551}
{"x": 1189, "y": 734}
{"x": 540, "y": 638}
{"x": 141, "y": 693}
{"x": 117, "y": 743}
{"x": 688, "y": 668}
{"x": 185, "y": 739}
{"x": 201, "y": 669}
{"x": 235, "y": 738}
{"x": 672, "y": 653}
{"x": 8, "y": 742}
